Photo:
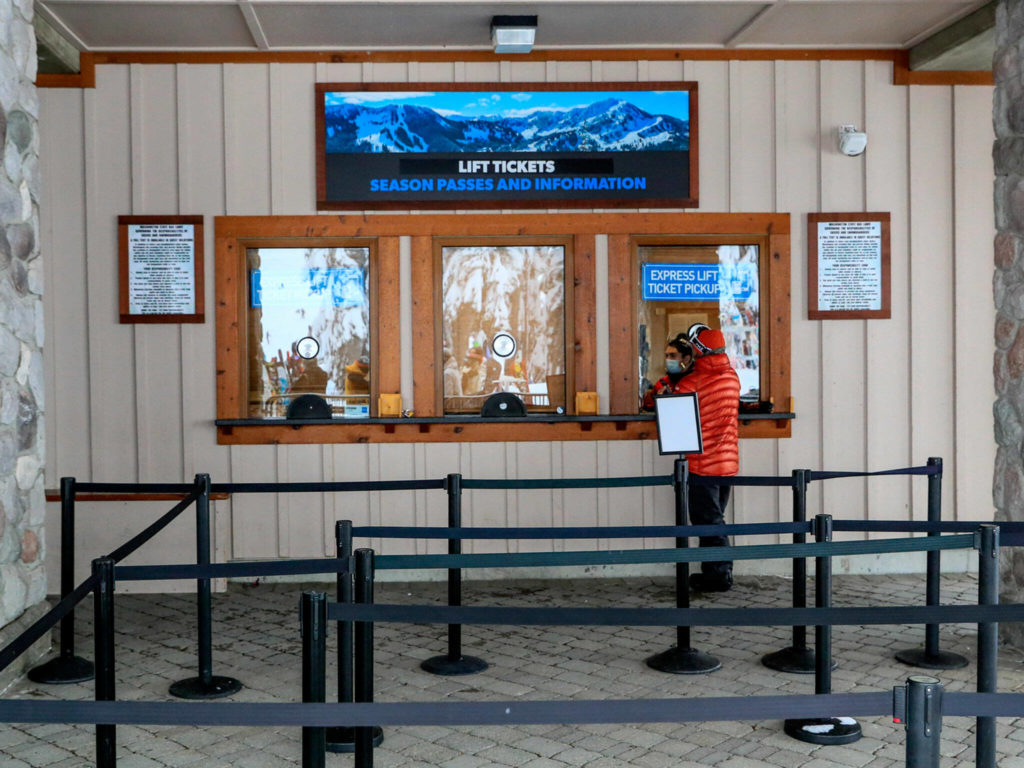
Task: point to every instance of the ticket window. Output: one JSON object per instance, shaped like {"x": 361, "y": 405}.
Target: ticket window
{"x": 309, "y": 329}
{"x": 503, "y": 310}
{"x": 717, "y": 284}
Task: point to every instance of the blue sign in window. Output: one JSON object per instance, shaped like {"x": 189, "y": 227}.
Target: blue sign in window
{"x": 698, "y": 282}
{"x": 344, "y": 287}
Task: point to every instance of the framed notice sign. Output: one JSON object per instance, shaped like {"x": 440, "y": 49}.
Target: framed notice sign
{"x": 678, "y": 420}
{"x": 848, "y": 269}
{"x": 504, "y": 145}
{"x": 160, "y": 269}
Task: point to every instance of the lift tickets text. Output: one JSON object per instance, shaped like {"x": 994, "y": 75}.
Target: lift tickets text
{"x": 391, "y": 178}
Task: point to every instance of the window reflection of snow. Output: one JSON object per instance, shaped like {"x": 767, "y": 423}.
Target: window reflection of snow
{"x": 487, "y": 290}
{"x": 307, "y": 292}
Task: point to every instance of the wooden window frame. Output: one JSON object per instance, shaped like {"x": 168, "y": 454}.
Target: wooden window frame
{"x": 440, "y": 243}
{"x": 774, "y": 271}
{"x": 233, "y": 303}
{"x": 233, "y": 234}
{"x": 763, "y": 276}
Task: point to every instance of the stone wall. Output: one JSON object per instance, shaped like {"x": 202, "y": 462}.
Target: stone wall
{"x": 1008, "y": 290}
{"x": 22, "y": 500}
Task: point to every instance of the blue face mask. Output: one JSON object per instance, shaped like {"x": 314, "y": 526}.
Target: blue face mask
{"x": 672, "y": 367}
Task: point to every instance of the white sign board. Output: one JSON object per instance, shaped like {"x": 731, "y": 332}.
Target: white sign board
{"x": 678, "y": 418}
{"x": 849, "y": 266}
{"x": 161, "y": 269}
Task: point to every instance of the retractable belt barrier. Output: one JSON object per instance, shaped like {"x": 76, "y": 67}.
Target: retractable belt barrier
{"x": 667, "y": 617}
{"x": 451, "y": 713}
{"x": 533, "y": 559}
{"x": 362, "y": 613}
{"x": 986, "y": 705}
{"x": 106, "y": 714}
{"x": 639, "y": 556}
{"x": 454, "y": 713}
{"x": 1012, "y": 530}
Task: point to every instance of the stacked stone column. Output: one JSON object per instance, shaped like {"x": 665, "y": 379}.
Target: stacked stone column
{"x": 1008, "y": 290}
{"x": 22, "y": 499}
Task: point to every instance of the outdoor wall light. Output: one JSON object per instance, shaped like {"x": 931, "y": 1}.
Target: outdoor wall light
{"x": 851, "y": 141}
{"x": 513, "y": 34}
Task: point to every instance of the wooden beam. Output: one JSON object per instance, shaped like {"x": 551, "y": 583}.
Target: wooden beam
{"x": 623, "y": 392}
{"x": 424, "y": 329}
{"x": 584, "y": 313}
{"x": 389, "y": 335}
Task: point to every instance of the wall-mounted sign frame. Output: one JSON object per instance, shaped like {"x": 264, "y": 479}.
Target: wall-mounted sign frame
{"x": 502, "y": 145}
{"x": 160, "y": 269}
{"x": 678, "y": 419}
{"x": 848, "y": 266}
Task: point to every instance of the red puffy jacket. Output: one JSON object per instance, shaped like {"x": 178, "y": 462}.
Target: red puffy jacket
{"x": 718, "y": 394}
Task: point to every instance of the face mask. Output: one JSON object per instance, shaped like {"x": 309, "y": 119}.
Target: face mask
{"x": 673, "y": 367}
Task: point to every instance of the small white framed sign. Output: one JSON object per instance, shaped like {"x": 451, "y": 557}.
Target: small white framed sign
{"x": 678, "y": 419}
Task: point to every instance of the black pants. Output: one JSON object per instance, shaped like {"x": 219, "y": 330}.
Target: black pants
{"x": 707, "y": 507}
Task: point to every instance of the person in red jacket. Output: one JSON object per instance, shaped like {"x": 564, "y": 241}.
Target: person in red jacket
{"x": 678, "y": 362}
{"x": 718, "y": 395}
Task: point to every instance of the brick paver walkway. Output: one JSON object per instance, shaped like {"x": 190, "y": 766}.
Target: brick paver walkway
{"x": 256, "y": 639}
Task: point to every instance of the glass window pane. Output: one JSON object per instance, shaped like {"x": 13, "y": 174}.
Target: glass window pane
{"x": 309, "y": 328}
{"x": 717, "y": 285}
{"x": 503, "y": 325}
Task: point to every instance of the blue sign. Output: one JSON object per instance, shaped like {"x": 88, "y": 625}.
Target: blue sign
{"x": 345, "y": 287}
{"x": 698, "y": 282}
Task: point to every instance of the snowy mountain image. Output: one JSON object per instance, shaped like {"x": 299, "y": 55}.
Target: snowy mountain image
{"x": 486, "y": 290}
{"x": 608, "y": 124}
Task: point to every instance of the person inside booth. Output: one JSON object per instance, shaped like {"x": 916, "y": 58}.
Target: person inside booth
{"x": 357, "y": 379}
{"x": 678, "y": 362}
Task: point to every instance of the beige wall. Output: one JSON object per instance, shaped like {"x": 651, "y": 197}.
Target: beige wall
{"x": 129, "y": 403}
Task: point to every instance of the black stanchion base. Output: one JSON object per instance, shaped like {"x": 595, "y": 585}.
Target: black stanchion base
{"x": 447, "y": 666}
{"x": 686, "y": 661}
{"x": 824, "y": 730}
{"x": 343, "y": 738}
{"x": 798, "y": 661}
{"x": 63, "y": 669}
{"x": 919, "y": 657}
{"x": 194, "y": 688}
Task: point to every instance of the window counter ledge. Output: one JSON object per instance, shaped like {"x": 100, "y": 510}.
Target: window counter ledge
{"x": 543, "y": 427}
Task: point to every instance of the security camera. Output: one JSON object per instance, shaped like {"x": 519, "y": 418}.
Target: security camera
{"x": 851, "y": 141}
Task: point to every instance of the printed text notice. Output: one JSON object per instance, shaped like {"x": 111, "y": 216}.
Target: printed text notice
{"x": 161, "y": 269}
{"x": 849, "y": 266}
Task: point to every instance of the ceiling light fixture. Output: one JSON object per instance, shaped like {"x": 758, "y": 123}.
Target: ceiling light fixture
{"x": 513, "y": 34}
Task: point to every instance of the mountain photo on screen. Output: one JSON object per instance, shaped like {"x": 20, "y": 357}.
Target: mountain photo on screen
{"x": 500, "y": 145}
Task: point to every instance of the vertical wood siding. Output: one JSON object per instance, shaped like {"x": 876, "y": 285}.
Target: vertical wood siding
{"x": 136, "y": 402}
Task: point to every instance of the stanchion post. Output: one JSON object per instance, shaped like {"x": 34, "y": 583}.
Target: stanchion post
{"x": 454, "y": 662}
{"x": 206, "y": 685}
{"x": 342, "y": 738}
{"x": 364, "y": 655}
{"x": 931, "y": 657}
{"x": 103, "y": 633}
{"x": 918, "y": 705}
{"x": 67, "y": 667}
{"x": 823, "y": 599}
{"x": 313, "y": 618}
{"x": 683, "y": 659}
{"x": 797, "y": 658}
{"x": 343, "y": 545}
{"x": 829, "y": 730}
{"x": 988, "y": 641}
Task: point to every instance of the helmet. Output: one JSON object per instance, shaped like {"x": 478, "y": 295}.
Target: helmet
{"x": 709, "y": 341}
{"x": 693, "y": 330}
